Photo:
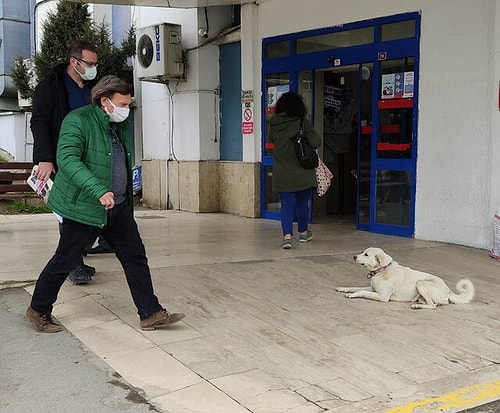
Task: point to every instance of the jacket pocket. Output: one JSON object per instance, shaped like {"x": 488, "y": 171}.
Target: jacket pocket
{"x": 75, "y": 196}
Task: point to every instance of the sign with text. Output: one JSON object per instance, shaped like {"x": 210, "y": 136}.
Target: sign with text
{"x": 247, "y": 112}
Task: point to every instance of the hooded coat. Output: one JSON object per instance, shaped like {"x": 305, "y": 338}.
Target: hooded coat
{"x": 288, "y": 173}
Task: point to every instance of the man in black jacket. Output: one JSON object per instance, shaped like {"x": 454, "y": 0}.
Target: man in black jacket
{"x": 67, "y": 87}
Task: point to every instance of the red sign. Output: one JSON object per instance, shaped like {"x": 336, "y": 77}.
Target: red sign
{"x": 247, "y": 128}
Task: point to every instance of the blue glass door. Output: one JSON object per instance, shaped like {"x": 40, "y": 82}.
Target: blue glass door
{"x": 370, "y": 129}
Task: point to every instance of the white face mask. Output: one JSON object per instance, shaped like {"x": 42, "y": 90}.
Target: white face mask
{"x": 89, "y": 73}
{"x": 118, "y": 114}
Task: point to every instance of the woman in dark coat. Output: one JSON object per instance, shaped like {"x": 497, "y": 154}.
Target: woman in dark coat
{"x": 293, "y": 182}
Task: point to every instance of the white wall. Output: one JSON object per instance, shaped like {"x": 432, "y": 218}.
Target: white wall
{"x": 455, "y": 117}
{"x": 180, "y": 121}
{"x": 12, "y": 136}
{"x": 494, "y": 187}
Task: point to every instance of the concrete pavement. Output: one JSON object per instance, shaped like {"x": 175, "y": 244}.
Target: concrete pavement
{"x": 55, "y": 372}
{"x": 265, "y": 329}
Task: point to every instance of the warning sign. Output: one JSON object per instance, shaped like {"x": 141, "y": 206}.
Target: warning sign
{"x": 247, "y": 118}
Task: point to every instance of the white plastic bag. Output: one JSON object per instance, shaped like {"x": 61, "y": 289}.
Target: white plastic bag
{"x": 495, "y": 251}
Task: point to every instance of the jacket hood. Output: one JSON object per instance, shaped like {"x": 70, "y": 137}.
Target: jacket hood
{"x": 284, "y": 123}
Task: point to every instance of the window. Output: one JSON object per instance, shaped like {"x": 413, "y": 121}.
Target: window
{"x": 398, "y": 30}
{"x": 329, "y": 41}
{"x": 278, "y": 49}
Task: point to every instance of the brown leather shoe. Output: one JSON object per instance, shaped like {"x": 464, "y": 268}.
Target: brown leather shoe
{"x": 44, "y": 323}
{"x": 160, "y": 319}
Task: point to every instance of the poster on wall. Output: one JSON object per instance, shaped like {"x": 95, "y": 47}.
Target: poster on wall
{"x": 273, "y": 94}
{"x": 408, "y": 85}
{"x": 397, "y": 85}
{"x": 247, "y": 112}
{"x": 388, "y": 84}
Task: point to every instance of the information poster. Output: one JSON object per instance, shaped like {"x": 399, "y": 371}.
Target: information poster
{"x": 273, "y": 94}
{"x": 397, "y": 85}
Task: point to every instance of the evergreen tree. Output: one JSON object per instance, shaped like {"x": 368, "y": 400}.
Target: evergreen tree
{"x": 69, "y": 22}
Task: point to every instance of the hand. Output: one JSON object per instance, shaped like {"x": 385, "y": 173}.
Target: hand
{"x": 354, "y": 173}
{"x": 107, "y": 200}
{"x": 44, "y": 170}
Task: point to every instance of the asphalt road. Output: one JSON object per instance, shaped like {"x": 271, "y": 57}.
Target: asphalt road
{"x": 54, "y": 372}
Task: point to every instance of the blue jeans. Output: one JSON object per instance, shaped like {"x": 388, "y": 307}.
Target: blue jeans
{"x": 295, "y": 204}
{"x": 122, "y": 234}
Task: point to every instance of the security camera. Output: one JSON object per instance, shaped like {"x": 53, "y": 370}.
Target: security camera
{"x": 203, "y": 33}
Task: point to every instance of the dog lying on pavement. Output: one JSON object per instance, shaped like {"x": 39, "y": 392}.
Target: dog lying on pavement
{"x": 393, "y": 282}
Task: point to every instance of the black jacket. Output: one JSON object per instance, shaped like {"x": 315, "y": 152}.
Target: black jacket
{"x": 50, "y": 106}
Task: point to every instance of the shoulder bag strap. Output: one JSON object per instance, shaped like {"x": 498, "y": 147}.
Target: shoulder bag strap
{"x": 301, "y": 127}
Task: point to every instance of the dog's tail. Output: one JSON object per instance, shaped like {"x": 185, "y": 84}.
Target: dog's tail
{"x": 465, "y": 292}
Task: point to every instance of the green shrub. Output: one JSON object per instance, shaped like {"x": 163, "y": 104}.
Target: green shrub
{"x": 71, "y": 21}
{"x": 22, "y": 206}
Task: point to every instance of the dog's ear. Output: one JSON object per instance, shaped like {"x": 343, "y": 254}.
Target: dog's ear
{"x": 383, "y": 258}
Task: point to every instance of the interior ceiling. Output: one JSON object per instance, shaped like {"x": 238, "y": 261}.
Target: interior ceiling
{"x": 179, "y": 4}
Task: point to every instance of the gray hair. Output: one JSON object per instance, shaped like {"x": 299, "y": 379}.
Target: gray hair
{"x": 108, "y": 86}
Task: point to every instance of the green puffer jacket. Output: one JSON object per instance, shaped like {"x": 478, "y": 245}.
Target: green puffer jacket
{"x": 85, "y": 169}
{"x": 288, "y": 173}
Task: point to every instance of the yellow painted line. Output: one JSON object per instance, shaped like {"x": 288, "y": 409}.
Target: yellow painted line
{"x": 459, "y": 399}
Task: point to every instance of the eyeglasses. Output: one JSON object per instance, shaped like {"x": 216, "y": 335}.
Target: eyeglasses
{"x": 89, "y": 64}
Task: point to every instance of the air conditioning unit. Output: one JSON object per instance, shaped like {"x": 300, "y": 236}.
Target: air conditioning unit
{"x": 159, "y": 53}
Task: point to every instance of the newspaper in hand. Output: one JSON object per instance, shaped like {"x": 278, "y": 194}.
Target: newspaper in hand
{"x": 42, "y": 188}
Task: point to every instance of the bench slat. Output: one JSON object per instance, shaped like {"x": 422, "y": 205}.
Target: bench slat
{"x": 16, "y": 165}
{"x": 15, "y": 188}
{"x": 16, "y": 173}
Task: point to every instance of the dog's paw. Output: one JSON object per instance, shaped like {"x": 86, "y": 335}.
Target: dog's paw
{"x": 350, "y": 295}
{"x": 342, "y": 289}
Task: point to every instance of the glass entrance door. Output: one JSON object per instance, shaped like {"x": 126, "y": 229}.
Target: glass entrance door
{"x": 357, "y": 81}
{"x": 394, "y": 149}
{"x": 347, "y": 111}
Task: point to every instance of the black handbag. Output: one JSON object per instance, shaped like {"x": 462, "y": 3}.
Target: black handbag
{"x": 307, "y": 156}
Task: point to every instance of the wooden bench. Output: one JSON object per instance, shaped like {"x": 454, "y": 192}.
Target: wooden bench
{"x": 13, "y": 177}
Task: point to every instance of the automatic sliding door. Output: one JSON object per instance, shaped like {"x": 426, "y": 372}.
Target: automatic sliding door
{"x": 275, "y": 85}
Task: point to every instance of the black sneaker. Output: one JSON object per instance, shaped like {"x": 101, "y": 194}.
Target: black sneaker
{"x": 79, "y": 275}
{"x": 89, "y": 269}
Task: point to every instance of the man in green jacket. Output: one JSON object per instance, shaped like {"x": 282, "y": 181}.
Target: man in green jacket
{"x": 92, "y": 193}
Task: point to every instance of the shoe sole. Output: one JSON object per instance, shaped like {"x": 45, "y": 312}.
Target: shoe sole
{"x": 79, "y": 282}
{"x": 304, "y": 240}
{"x": 154, "y": 327}
{"x": 43, "y": 331}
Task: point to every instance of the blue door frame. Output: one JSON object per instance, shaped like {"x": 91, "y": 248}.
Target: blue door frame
{"x": 378, "y": 53}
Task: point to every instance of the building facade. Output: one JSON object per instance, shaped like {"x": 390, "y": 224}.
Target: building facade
{"x": 431, "y": 166}
{"x": 405, "y": 94}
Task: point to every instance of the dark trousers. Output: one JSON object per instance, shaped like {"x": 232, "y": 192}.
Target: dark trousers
{"x": 123, "y": 235}
{"x": 80, "y": 260}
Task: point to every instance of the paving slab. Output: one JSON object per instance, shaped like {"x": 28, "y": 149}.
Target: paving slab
{"x": 265, "y": 330}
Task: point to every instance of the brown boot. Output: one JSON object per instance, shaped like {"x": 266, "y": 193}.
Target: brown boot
{"x": 160, "y": 319}
{"x": 44, "y": 323}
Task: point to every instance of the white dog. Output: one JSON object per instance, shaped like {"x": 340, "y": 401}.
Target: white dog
{"x": 393, "y": 282}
